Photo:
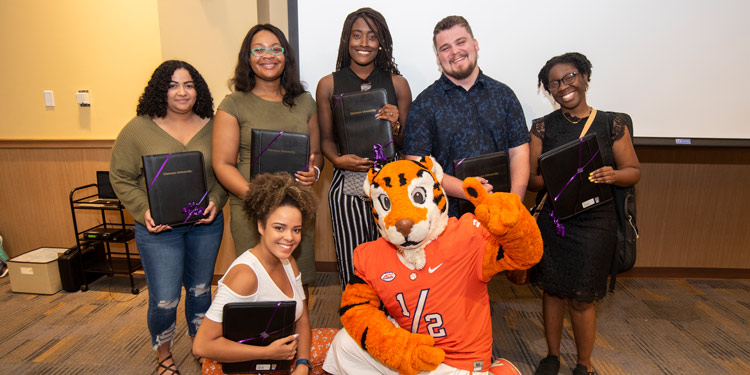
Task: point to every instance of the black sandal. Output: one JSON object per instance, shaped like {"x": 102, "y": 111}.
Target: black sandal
{"x": 582, "y": 370}
{"x": 171, "y": 368}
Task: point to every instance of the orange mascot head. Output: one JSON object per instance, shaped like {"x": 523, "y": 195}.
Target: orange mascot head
{"x": 408, "y": 205}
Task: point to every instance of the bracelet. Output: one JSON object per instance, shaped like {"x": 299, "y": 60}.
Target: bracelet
{"x": 317, "y": 176}
{"x": 396, "y": 128}
{"x": 303, "y": 361}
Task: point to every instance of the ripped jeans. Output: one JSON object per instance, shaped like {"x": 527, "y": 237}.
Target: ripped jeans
{"x": 184, "y": 255}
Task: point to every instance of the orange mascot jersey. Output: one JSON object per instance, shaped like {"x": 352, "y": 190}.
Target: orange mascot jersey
{"x": 446, "y": 299}
{"x": 430, "y": 273}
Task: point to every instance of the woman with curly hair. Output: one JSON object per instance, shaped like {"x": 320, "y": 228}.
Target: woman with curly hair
{"x": 574, "y": 268}
{"x": 365, "y": 61}
{"x": 174, "y": 114}
{"x": 267, "y": 94}
{"x": 278, "y": 206}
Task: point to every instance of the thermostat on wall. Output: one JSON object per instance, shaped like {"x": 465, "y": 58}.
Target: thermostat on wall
{"x": 83, "y": 99}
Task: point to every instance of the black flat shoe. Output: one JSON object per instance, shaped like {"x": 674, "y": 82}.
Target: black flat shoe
{"x": 170, "y": 369}
{"x": 549, "y": 365}
{"x": 582, "y": 370}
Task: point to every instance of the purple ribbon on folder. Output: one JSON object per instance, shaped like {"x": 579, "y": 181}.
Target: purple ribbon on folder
{"x": 580, "y": 168}
{"x": 377, "y": 149}
{"x": 266, "y": 148}
{"x": 159, "y": 172}
{"x": 265, "y": 334}
{"x": 194, "y": 208}
{"x": 337, "y": 100}
{"x": 459, "y": 163}
{"x": 559, "y": 227}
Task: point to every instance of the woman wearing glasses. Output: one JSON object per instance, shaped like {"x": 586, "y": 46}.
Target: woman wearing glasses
{"x": 365, "y": 62}
{"x": 267, "y": 94}
{"x": 574, "y": 267}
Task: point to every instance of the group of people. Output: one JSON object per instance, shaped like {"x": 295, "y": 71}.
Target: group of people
{"x": 464, "y": 113}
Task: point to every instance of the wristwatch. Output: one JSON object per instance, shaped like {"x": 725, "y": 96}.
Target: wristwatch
{"x": 303, "y": 361}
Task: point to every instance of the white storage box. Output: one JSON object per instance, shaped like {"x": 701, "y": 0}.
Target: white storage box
{"x": 36, "y": 271}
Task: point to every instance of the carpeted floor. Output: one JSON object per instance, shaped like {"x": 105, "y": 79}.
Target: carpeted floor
{"x": 649, "y": 326}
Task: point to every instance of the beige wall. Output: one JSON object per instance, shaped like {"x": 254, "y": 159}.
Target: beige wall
{"x": 110, "y": 48}
{"x": 107, "y": 47}
{"x": 207, "y": 34}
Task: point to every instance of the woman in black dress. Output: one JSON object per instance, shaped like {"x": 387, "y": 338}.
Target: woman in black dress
{"x": 574, "y": 268}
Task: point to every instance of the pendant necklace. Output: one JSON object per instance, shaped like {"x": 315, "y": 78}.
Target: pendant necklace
{"x": 577, "y": 121}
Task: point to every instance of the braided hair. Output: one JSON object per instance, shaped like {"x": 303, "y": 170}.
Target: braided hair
{"x": 376, "y": 22}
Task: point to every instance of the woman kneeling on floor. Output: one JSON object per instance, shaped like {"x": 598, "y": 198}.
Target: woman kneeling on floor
{"x": 267, "y": 272}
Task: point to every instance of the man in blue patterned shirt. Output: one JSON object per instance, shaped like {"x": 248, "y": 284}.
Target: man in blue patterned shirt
{"x": 466, "y": 113}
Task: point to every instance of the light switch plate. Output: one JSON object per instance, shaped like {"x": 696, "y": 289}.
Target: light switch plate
{"x": 49, "y": 98}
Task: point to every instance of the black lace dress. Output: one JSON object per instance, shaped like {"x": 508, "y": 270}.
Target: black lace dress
{"x": 576, "y": 266}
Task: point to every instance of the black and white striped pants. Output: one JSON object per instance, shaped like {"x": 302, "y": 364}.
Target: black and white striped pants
{"x": 352, "y": 223}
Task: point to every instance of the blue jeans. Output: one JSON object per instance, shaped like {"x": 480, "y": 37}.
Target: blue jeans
{"x": 185, "y": 255}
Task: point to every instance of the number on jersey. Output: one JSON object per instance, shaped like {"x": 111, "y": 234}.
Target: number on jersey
{"x": 434, "y": 320}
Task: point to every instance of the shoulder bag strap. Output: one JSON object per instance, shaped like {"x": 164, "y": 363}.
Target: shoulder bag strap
{"x": 588, "y": 123}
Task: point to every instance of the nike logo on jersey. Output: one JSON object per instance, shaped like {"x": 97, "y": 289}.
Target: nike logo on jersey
{"x": 431, "y": 270}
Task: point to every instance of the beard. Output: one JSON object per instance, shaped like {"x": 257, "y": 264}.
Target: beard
{"x": 462, "y": 74}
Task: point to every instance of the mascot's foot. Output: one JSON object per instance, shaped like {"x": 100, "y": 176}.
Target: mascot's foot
{"x": 503, "y": 367}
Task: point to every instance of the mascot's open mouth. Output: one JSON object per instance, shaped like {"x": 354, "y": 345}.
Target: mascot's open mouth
{"x": 409, "y": 243}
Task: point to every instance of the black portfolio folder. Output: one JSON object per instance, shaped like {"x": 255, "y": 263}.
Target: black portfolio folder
{"x": 274, "y": 151}
{"x": 494, "y": 167}
{"x": 259, "y": 324}
{"x": 566, "y": 173}
{"x": 357, "y": 129}
{"x": 176, "y": 185}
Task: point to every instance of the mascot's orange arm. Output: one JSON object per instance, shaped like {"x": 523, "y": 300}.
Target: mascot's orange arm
{"x": 516, "y": 242}
{"x": 406, "y": 352}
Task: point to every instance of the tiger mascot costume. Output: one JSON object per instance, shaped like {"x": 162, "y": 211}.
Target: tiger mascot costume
{"x": 429, "y": 273}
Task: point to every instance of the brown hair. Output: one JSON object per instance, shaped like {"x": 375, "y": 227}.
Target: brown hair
{"x": 447, "y": 23}
{"x": 267, "y": 192}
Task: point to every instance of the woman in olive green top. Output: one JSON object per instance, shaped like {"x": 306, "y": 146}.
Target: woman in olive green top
{"x": 267, "y": 94}
{"x": 174, "y": 115}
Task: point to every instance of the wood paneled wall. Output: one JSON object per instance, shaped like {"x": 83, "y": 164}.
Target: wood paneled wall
{"x": 693, "y": 206}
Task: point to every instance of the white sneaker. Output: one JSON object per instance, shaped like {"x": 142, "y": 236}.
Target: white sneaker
{"x": 4, "y": 272}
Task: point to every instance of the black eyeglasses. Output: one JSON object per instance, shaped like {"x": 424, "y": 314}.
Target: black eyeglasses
{"x": 258, "y": 52}
{"x": 566, "y": 79}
